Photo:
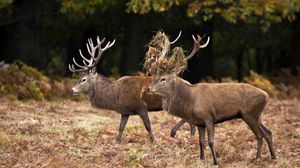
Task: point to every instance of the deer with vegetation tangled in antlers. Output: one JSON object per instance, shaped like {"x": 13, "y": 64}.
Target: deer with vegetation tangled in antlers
{"x": 157, "y": 60}
{"x": 123, "y": 95}
{"x": 207, "y": 104}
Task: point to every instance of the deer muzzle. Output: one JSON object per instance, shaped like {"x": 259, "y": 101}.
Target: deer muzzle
{"x": 74, "y": 91}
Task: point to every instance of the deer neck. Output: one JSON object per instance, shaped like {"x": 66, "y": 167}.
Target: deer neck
{"x": 180, "y": 101}
{"x": 103, "y": 93}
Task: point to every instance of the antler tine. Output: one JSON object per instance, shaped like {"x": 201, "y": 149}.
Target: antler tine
{"x": 204, "y": 45}
{"x": 80, "y": 66}
{"x": 72, "y": 69}
{"x": 90, "y": 41}
{"x": 87, "y": 63}
{"x": 195, "y": 38}
{"x": 84, "y": 62}
{"x": 87, "y": 60}
{"x": 108, "y": 45}
{"x": 100, "y": 42}
{"x": 101, "y": 50}
{"x": 88, "y": 48}
{"x": 197, "y": 46}
{"x": 176, "y": 38}
{"x": 91, "y": 48}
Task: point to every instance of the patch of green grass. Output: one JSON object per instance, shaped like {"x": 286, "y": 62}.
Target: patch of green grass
{"x": 76, "y": 152}
{"x": 136, "y": 155}
{"x": 133, "y": 128}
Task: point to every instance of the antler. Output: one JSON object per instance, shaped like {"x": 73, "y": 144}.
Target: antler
{"x": 90, "y": 63}
{"x": 197, "y": 46}
{"x": 157, "y": 60}
{"x": 176, "y": 38}
{"x": 166, "y": 47}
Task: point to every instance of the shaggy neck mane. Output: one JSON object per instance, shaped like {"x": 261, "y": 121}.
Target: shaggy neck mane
{"x": 102, "y": 94}
{"x": 179, "y": 101}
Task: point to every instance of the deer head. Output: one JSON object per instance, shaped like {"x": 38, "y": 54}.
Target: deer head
{"x": 88, "y": 69}
{"x": 165, "y": 79}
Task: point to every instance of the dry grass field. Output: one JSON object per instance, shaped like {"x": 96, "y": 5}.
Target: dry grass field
{"x": 73, "y": 134}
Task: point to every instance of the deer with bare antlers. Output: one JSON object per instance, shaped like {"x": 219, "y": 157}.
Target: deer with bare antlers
{"x": 123, "y": 95}
{"x": 207, "y": 104}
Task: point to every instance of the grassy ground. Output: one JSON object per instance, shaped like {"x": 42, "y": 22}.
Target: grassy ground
{"x": 73, "y": 134}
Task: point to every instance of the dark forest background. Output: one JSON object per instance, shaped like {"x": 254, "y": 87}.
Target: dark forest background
{"x": 258, "y": 35}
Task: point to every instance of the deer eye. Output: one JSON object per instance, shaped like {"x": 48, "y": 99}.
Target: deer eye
{"x": 162, "y": 79}
{"x": 83, "y": 80}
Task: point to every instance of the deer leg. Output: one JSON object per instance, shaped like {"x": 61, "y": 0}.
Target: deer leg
{"x": 210, "y": 132}
{"x": 145, "y": 118}
{"x": 201, "y": 131}
{"x": 193, "y": 129}
{"x": 177, "y": 126}
{"x": 124, "y": 119}
{"x": 268, "y": 136}
{"x": 254, "y": 126}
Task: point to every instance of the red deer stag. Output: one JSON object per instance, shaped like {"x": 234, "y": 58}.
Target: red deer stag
{"x": 206, "y": 104}
{"x": 156, "y": 59}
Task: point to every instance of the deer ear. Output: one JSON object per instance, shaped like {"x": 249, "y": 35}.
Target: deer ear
{"x": 173, "y": 77}
{"x": 175, "y": 73}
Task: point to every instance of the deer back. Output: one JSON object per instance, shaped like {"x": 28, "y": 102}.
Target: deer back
{"x": 224, "y": 101}
{"x": 131, "y": 95}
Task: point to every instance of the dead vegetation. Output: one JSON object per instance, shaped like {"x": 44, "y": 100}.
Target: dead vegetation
{"x": 73, "y": 134}
{"x": 159, "y": 59}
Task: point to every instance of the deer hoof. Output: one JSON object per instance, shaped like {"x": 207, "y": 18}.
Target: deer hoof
{"x": 173, "y": 134}
{"x": 152, "y": 140}
{"x": 119, "y": 141}
{"x": 216, "y": 162}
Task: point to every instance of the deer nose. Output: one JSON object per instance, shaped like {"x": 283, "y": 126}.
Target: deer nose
{"x": 73, "y": 91}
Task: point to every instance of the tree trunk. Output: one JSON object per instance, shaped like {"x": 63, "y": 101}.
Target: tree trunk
{"x": 28, "y": 31}
{"x": 133, "y": 48}
{"x": 239, "y": 65}
{"x": 295, "y": 46}
{"x": 259, "y": 55}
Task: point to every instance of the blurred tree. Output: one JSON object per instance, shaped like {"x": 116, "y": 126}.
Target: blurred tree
{"x": 22, "y": 27}
{"x": 258, "y": 13}
{"x": 249, "y": 11}
{"x": 132, "y": 50}
{"x": 295, "y": 43}
{"x": 246, "y": 34}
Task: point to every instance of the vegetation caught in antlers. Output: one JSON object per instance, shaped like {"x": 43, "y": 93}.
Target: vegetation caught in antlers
{"x": 159, "y": 60}
{"x": 157, "y": 53}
